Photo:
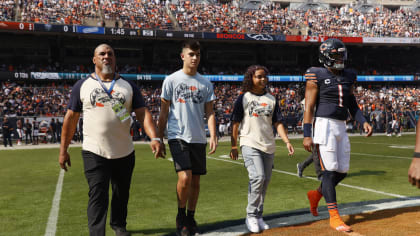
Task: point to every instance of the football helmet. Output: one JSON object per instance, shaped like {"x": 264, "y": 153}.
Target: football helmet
{"x": 333, "y": 54}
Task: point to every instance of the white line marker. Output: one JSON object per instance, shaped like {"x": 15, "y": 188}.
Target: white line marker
{"x": 372, "y": 155}
{"x": 312, "y": 178}
{"x": 52, "y": 219}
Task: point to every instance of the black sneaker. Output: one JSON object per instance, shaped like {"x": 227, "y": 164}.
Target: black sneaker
{"x": 299, "y": 170}
{"x": 181, "y": 226}
{"x": 121, "y": 231}
{"x": 192, "y": 226}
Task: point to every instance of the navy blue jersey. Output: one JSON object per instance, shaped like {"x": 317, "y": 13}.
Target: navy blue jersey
{"x": 334, "y": 91}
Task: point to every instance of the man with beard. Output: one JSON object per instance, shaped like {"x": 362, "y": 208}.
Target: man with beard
{"x": 106, "y": 100}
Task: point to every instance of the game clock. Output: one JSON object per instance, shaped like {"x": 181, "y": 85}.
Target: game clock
{"x": 122, "y": 31}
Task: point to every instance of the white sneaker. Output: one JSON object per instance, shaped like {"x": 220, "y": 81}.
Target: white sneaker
{"x": 262, "y": 224}
{"x": 252, "y": 224}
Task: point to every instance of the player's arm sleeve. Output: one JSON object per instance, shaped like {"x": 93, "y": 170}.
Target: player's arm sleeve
{"x": 311, "y": 74}
{"x": 238, "y": 110}
{"x": 75, "y": 104}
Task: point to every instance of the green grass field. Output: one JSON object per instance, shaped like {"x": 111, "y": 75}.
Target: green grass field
{"x": 28, "y": 181}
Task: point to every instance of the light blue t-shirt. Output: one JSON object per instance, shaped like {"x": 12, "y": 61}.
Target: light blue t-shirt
{"x": 188, "y": 96}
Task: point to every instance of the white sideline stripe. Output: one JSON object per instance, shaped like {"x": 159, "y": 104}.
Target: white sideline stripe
{"x": 312, "y": 178}
{"x": 372, "y": 155}
{"x": 52, "y": 219}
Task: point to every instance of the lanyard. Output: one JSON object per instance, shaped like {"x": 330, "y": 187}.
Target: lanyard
{"x": 108, "y": 91}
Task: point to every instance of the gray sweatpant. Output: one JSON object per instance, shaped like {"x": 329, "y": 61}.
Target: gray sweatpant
{"x": 260, "y": 166}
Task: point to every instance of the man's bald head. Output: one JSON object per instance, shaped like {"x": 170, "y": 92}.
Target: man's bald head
{"x": 100, "y": 46}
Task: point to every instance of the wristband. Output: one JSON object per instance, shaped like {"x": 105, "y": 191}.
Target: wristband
{"x": 234, "y": 147}
{"x": 416, "y": 155}
{"x": 307, "y": 130}
{"x": 157, "y": 139}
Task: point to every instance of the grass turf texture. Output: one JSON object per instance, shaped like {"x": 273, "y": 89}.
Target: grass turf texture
{"x": 28, "y": 180}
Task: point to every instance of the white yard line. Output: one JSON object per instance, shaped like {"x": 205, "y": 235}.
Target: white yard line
{"x": 366, "y": 154}
{"x": 312, "y": 178}
{"x": 53, "y": 218}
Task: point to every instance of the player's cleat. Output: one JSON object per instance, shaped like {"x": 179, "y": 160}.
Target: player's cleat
{"x": 252, "y": 224}
{"x": 262, "y": 224}
{"x": 181, "y": 227}
{"x": 337, "y": 223}
{"x": 299, "y": 170}
{"x": 314, "y": 196}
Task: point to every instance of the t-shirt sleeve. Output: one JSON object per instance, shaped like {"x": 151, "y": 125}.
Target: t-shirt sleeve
{"x": 238, "y": 110}
{"x": 211, "y": 96}
{"x": 75, "y": 104}
{"x": 166, "y": 89}
{"x": 277, "y": 116}
{"x": 138, "y": 100}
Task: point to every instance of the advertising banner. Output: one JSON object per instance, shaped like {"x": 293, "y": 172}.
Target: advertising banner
{"x": 90, "y": 30}
{"x": 389, "y": 40}
{"x": 239, "y": 78}
{"x": 226, "y": 36}
{"x": 315, "y": 39}
{"x": 385, "y": 78}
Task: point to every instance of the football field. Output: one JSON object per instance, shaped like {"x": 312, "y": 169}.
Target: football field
{"x": 36, "y": 198}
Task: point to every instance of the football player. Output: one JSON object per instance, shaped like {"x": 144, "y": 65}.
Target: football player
{"x": 328, "y": 100}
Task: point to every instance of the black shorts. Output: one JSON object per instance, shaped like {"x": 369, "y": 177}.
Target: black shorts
{"x": 188, "y": 156}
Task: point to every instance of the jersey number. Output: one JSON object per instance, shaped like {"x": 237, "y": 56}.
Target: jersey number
{"x": 340, "y": 95}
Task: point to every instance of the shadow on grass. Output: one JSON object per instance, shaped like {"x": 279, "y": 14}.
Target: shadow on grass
{"x": 161, "y": 231}
{"x": 366, "y": 172}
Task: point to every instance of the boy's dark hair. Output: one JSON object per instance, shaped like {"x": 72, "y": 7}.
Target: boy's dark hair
{"x": 191, "y": 44}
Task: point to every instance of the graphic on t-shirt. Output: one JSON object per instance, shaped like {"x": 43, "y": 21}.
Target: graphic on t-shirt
{"x": 259, "y": 109}
{"x": 98, "y": 97}
{"x": 184, "y": 93}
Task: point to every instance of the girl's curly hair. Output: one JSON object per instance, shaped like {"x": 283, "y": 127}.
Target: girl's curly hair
{"x": 247, "y": 82}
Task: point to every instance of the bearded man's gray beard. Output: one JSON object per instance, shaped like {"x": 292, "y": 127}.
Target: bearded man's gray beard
{"x": 107, "y": 69}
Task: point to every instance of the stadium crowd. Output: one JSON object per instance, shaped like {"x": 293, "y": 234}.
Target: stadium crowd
{"x": 58, "y": 11}
{"x": 138, "y": 14}
{"x": 377, "y": 103}
{"x": 269, "y": 18}
{"x": 7, "y": 10}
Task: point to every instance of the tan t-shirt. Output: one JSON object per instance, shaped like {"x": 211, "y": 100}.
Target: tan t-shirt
{"x": 257, "y": 114}
{"x": 103, "y": 132}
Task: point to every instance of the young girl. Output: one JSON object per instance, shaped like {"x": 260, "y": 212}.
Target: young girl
{"x": 254, "y": 114}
